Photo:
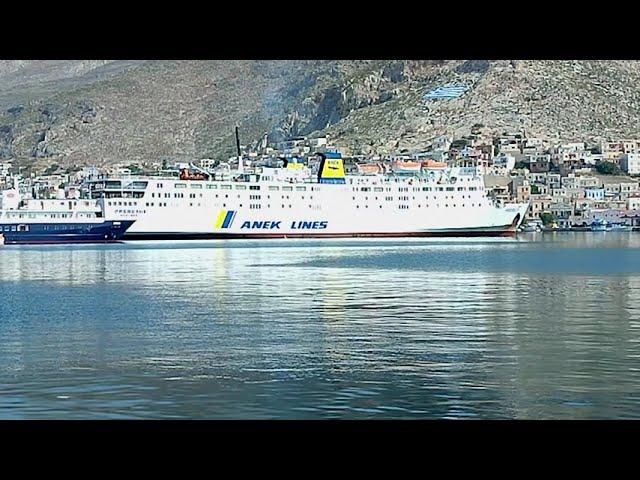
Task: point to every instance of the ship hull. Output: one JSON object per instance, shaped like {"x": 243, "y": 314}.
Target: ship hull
{"x": 63, "y": 233}
{"x": 504, "y": 232}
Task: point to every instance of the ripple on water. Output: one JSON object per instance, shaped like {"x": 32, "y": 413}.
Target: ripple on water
{"x": 543, "y": 327}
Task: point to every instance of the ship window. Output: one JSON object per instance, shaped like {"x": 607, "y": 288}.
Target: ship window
{"x": 225, "y": 187}
{"x": 449, "y": 189}
{"x": 241, "y": 187}
{"x": 301, "y": 189}
{"x": 181, "y": 185}
{"x": 272, "y": 188}
{"x": 254, "y": 187}
{"x": 287, "y": 189}
{"x": 212, "y": 186}
{"x": 196, "y": 185}
{"x": 378, "y": 189}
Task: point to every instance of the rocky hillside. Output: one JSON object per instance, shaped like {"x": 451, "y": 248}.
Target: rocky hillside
{"x": 96, "y": 112}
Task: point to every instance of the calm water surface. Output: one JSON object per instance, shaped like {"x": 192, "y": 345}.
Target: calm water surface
{"x": 541, "y": 326}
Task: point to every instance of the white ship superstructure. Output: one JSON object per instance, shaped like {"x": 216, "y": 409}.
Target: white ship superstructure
{"x": 296, "y": 201}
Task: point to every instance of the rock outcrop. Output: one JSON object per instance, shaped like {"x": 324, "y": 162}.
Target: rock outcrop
{"x": 102, "y": 112}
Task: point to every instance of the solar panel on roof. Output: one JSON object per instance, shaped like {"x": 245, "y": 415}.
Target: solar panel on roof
{"x": 446, "y": 92}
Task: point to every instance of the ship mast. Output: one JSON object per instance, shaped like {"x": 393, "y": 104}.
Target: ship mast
{"x": 240, "y": 166}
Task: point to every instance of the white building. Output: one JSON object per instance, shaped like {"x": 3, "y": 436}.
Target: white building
{"x": 633, "y": 202}
{"x": 4, "y": 168}
{"x": 594, "y": 193}
{"x": 505, "y": 161}
{"x": 630, "y": 163}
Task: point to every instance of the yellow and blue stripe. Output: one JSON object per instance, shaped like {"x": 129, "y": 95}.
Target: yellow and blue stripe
{"x": 225, "y": 218}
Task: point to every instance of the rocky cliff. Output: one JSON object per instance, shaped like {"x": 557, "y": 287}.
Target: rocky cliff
{"x": 96, "y": 112}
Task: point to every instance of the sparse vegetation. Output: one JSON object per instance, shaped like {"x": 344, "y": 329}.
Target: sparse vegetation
{"x": 51, "y": 169}
{"x": 547, "y": 218}
{"x": 608, "y": 168}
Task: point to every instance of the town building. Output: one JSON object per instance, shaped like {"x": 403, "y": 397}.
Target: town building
{"x": 562, "y": 213}
{"x": 594, "y": 193}
{"x": 612, "y": 151}
{"x": 630, "y": 163}
{"x": 540, "y": 203}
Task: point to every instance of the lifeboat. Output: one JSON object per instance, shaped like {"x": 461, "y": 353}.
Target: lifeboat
{"x": 185, "y": 175}
{"x": 400, "y": 166}
{"x": 368, "y": 168}
{"x": 432, "y": 164}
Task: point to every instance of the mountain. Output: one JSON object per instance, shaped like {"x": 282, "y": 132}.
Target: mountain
{"x": 101, "y": 112}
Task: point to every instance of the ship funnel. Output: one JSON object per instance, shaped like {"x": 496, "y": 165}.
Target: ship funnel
{"x": 331, "y": 169}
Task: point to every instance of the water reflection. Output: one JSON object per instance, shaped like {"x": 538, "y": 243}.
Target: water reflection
{"x": 542, "y": 326}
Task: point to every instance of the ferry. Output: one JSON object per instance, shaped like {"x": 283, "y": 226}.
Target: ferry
{"x": 310, "y": 201}
{"x": 58, "y": 221}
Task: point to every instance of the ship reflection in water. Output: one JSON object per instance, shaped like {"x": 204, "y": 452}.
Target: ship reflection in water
{"x": 541, "y": 326}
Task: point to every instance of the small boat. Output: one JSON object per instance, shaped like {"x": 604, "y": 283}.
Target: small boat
{"x": 530, "y": 227}
{"x": 600, "y": 226}
{"x": 619, "y": 227}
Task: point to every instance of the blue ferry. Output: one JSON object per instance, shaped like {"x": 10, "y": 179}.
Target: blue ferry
{"x": 63, "y": 232}
{"x": 57, "y": 221}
